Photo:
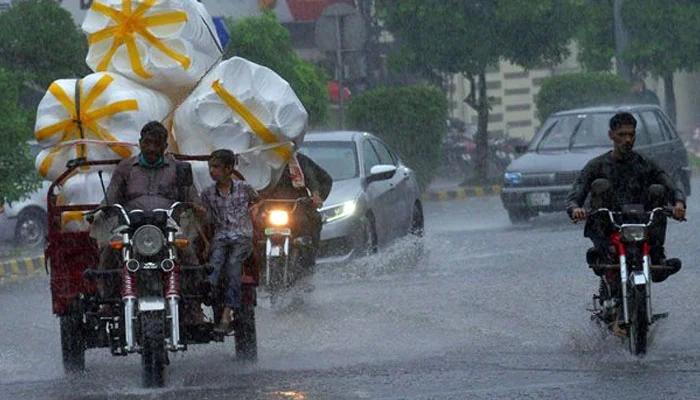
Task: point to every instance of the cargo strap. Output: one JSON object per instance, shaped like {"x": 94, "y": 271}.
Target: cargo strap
{"x": 284, "y": 151}
{"x": 130, "y": 23}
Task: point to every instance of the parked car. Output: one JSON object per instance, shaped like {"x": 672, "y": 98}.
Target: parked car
{"x": 540, "y": 179}
{"x": 375, "y": 198}
{"x": 24, "y": 221}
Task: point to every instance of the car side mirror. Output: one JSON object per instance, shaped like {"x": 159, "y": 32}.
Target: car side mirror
{"x": 520, "y": 149}
{"x": 381, "y": 173}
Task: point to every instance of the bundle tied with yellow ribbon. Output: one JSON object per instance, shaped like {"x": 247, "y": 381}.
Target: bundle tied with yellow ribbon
{"x": 98, "y": 117}
{"x": 167, "y": 45}
{"x": 247, "y": 108}
{"x": 82, "y": 188}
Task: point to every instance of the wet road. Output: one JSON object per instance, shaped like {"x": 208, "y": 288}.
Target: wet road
{"x": 491, "y": 311}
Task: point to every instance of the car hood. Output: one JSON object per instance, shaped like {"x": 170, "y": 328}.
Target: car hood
{"x": 555, "y": 160}
{"x": 342, "y": 191}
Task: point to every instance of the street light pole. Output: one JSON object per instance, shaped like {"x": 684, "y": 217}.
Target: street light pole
{"x": 621, "y": 40}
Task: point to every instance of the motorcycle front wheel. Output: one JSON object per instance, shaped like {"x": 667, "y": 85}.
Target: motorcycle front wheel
{"x": 153, "y": 353}
{"x": 639, "y": 322}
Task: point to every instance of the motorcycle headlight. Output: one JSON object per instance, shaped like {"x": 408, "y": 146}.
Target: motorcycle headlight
{"x": 634, "y": 233}
{"x": 148, "y": 240}
{"x": 279, "y": 218}
{"x": 513, "y": 178}
{"x": 339, "y": 211}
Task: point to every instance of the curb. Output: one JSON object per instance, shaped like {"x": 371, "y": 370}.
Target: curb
{"x": 12, "y": 270}
{"x": 463, "y": 193}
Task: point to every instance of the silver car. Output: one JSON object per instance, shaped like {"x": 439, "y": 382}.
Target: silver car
{"x": 375, "y": 198}
{"x": 24, "y": 221}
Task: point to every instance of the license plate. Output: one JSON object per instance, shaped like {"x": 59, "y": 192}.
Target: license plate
{"x": 277, "y": 231}
{"x": 538, "y": 199}
{"x": 275, "y": 251}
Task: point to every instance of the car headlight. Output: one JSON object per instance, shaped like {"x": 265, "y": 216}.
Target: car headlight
{"x": 634, "y": 233}
{"x": 278, "y": 218}
{"x": 148, "y": 240}
{"x": 339, "y": 211}
{"x": 513, "y": 178}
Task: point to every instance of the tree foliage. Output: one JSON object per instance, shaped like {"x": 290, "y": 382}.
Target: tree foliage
{"x": 265, "y": 41}
{"x": 569, "y": 91}
{"x": 664, "y": 37}
{"x": 39, "y": 37}
{"x": 458, "y": 36}
{"x": 16, "y": 128}
{"x": 410, "y": 119}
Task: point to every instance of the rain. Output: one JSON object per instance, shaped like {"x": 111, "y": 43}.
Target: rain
{"x": 419, "y": 183}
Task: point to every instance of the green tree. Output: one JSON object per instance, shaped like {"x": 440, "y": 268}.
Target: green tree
{"x": 39, "y": 37}
{"x": 410, "y": 119}
{"x": 16, "y": 128}
{"x": 568, "y": 91}
{"x": 265, "y": 41}
{"x": 664, "y": 37}
{"x": 468, "y": 36}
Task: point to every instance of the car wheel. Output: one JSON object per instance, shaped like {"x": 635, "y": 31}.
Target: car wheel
{"x": 519, "y": 216}
{"x": 31, "y": 228}
{"x": 367, "y": 243}
{"x": 417, "y": 221}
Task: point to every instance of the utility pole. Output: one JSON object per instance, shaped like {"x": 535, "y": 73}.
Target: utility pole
{"x": 621, "y": 40}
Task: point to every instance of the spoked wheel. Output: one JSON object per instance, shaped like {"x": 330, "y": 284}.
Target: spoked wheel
{"x": 245, "y": 334}
{"x": 639, "y": 322}
{"x": 73, "y": 341}
{"x": 153, "y": 353}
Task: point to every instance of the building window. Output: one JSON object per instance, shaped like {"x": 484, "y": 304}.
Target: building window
{"x": 516, "y": 75}
{"x": 513, "y": 92}
{"x": 519, "y": 107}
{"x": 493, "y": 85}
{"x": 519, "y": 124}
{"x": 495, "y": 117}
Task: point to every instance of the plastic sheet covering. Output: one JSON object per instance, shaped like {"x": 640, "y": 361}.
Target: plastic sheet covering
{"x": 247, "y": 108}
{"x": 104, "y": 123}
{"x": 81, "y": 188}
{"x": 168, "y": 45}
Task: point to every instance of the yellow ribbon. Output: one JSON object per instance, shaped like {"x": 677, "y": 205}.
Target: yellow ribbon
{"x": 129, "y": 24}
{"x": 87, "y": 120}
{"x": 284, "y": 151}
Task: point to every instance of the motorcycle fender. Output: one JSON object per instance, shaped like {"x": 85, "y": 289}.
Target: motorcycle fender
{"x": 638, "y": 279}
{"x": 151, "y": 303}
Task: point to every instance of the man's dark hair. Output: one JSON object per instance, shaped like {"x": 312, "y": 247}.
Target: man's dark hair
{"x": 226, "y": 157}
{"x": 155, "y": 128}
{"x": 622, "y": 118}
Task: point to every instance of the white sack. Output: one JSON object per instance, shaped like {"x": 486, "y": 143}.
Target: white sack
{"x": 205, "y": 122}
{"x": 82, "y": 188}
{"x": 113, "y": 111}
{"x": 175, "y": 45}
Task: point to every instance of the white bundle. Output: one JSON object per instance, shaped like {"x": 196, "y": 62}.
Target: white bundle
{"x": 104, "y": 125}
{"x": 167, "y": 45}
{"x": 83, "y": 188}
{"x": 247, "y": 108}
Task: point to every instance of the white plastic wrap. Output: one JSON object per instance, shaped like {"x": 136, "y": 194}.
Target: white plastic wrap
{"x": 82, "y": 188}
{"x": 247, "y": 108}
{"x": 167, "y": 45}
{"x": 112, "y": 111}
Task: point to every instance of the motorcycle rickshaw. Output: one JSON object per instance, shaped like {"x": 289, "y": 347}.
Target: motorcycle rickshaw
{"x": 146, "y": 315}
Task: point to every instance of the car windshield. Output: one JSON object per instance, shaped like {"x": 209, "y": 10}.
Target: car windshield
{"x": 575, "y": 130}
{"x": 339, "y": 159}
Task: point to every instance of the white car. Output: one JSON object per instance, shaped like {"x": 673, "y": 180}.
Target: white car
{"x": 375, "y": 197}
{"x": 25, "y": 221}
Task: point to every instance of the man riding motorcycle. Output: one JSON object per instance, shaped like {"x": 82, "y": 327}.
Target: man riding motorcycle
{"x": 624, "y": 177}
{"x": 303, "y": 179}
{"x": 147, "y": 181}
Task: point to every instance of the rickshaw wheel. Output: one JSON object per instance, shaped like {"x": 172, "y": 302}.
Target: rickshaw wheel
{"x": 245, "y": 334}
{"x": 72, "y": 341}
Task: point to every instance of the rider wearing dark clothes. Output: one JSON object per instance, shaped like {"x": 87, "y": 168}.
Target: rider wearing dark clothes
{"x": 623, "y": 177}
{"x": 301, "y": 179}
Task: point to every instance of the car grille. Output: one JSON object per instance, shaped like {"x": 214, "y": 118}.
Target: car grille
{"x": 566, "y": 178}
{"x": 537, "y": 180}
